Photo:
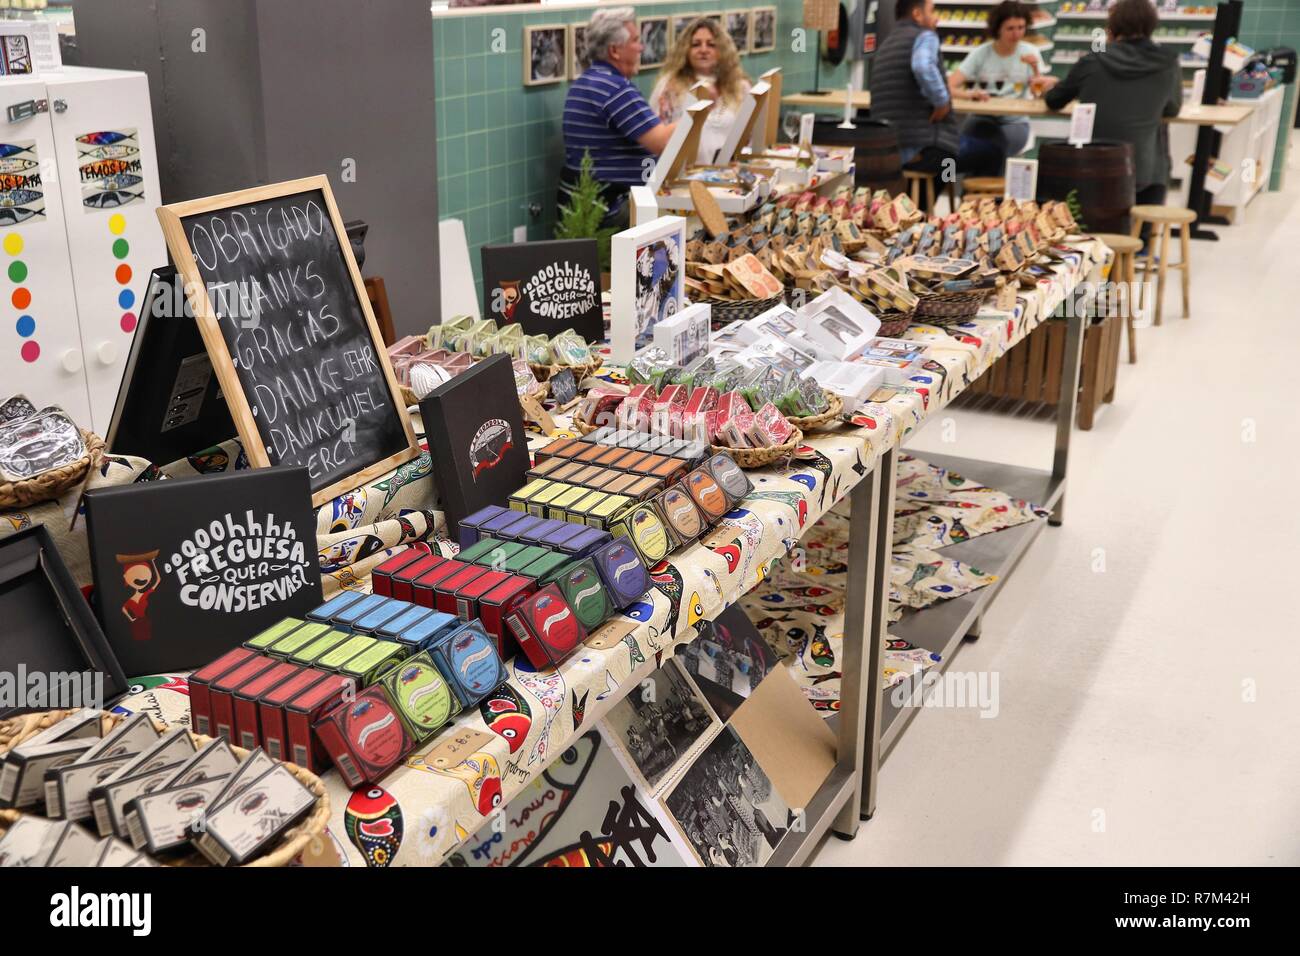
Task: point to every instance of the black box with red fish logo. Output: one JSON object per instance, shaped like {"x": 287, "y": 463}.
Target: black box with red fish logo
{"x": 365, "y": 737}
{"x": 201, "y": 680}
{"x": 381, "y": 578}
{"x": 546, "y": 628}
{"x": 475, "y": 428}
{"x": 301, "y": 713}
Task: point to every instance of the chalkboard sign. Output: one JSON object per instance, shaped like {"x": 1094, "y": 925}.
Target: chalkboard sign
{"x": 285, "y": 318}
{"x": 546, "y": 287}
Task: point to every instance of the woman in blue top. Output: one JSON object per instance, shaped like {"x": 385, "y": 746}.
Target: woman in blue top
{"x": 1004, "y": 66}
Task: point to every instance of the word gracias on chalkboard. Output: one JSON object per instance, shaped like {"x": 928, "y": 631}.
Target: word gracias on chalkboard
{"x": 286, "y": 321}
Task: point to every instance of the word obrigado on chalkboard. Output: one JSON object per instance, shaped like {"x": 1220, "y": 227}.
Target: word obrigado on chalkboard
{"x": 308, "y": 413}
{"x": 288, "y": 325}
{"x": 562, "y": 290}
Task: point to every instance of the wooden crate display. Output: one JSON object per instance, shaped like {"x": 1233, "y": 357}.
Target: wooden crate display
{"x": 1031, "y": 371}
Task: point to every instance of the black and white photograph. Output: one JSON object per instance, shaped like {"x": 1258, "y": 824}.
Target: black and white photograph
{"x": 545, "y": 60}
{"x": 578, "y": 59}
{"x": 738, "y": 26}
{"x": 680, "y": 22}
{"x": 763, "y": 34}
{"x": 654, "y": 41}
{"x": 662, "y": 724}
{"x": 727, "y": 807}
{"x": 728, "y": 661}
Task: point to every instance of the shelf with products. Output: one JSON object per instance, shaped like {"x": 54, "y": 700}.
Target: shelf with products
{"x": 1164, "y": 17}
{"x": 1087, "y": 36}
{"x": 967, "y": 47}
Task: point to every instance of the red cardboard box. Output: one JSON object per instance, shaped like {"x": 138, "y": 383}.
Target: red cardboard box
{"x": 499, "y": 602}
{"x": 201, "y": 679}
{"x": 467, "y": 598}
{"x": 444, "y": 597}
{"x": 301, "y": 713}
{"x": 365, "y": 738}
{"x": 381, "y": 579}
{"x": 270, "y": 709}
{"x": 403, "y": 582}
{"x": 221, "y": 693}
{"x": 422, "y": 590}
{"x": 546, "y": 628}
{"x": 246, "y": 698}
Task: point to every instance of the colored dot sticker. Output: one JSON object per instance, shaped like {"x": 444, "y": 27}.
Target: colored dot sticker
{"x": 17, "y": 271}
{"x": 26, "y": 325}
{"x": 126, "y": 298}
{"x": 21, "y": 298}
{"x": 13, "y": 243}
{"x": 128, "y": 322}
{"x": 120, "y": 248}
{"x": 30, "y": 351}
{"x": 123, "y": 274}
{"x": 117, "y": 223}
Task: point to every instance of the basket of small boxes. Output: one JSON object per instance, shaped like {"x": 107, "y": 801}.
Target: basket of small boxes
{"x": 155, "y": 797}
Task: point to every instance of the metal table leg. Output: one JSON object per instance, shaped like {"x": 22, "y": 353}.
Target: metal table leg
{"x": 1067, "y": 404}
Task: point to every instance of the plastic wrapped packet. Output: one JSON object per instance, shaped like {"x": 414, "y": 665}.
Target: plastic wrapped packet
{"x": 648, "y": 367}
{"x": 475, "y": 340}
{"x": 510, "y": 341}
{"x": 700, "y": 372}
{"x": 771, "y": 425}
{"x": 728, "y": 376}
{"x": 525, "y": 380}
{"x": 635, "y": 410}
{"x": 695, "y": 424}
{"x": 424, "y": 378}
{"x": 537, "y": 349}
{"x": 449, "y": 334}
{"x": 599, "y": 407}
{"x": 570, "y": 348}
{"x": 750, "y": 388}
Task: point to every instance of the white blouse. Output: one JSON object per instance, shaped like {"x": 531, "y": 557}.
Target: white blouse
{"x": 670, "y": 106}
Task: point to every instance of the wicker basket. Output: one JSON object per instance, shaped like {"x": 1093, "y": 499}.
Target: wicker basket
{"x": 15, "y": 730}
{"x": 725, "y": 311}
{"x": 544, "y": 372}
{"x": 581, "y": 427}
{"x": 951, "y": 306}
{"x": 831, "y": 415}
{"x": 894, "y": 324}
{"x": 47, "y": 487}
{"x": 761, "y": 457}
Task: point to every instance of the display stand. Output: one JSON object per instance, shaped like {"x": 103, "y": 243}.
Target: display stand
{"x": 942, "y": 628}
{"x": 1226, "y": 24}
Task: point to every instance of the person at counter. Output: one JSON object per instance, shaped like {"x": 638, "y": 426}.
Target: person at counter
{"x": 1004, "y": 66}
{"x": 1135, "y": 82}
{"x": 606, "y": 115}
{"x": 908, "y": 89}
{"x": 703, "y": 53}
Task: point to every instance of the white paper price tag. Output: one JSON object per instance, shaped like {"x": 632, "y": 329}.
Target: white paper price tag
{"x": 1022, "y": 179}
{"x": 1081, "y": 123}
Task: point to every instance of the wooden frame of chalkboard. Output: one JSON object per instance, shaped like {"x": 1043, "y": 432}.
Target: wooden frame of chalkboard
{"x": 331, "y": 399}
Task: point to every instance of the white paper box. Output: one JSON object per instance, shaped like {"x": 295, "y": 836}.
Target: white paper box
{"x": 685, "y": 336}
{"x": 851, "y": 381}
{"x": 838, "y": 324}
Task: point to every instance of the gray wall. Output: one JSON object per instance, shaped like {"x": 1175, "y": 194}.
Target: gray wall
{"x": 290, "y": 88}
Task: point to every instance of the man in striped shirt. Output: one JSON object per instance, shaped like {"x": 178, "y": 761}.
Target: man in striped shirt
{"x": 606, "y": 115}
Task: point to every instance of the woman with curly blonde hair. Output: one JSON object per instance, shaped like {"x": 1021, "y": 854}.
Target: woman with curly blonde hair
{"x": 704, "y": 52}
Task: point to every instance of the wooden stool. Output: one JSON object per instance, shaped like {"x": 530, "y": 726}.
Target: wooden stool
{"x": 915, "y": 178}
{"x": 1162, "y": 219}
{"x": 980, "y": 186}
{"x": 1124, "y": 269}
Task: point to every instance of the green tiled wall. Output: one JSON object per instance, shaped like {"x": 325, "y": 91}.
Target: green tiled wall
{"x": 500, "y": 145}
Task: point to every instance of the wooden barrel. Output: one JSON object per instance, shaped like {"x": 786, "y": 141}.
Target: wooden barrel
{"x": 1102, "y": 173}
{"x": 876, "y": 160}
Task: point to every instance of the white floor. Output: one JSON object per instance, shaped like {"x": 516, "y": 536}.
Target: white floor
{"x": 1149, "y": 712}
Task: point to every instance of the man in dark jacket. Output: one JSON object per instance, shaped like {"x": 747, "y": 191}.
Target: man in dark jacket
{"x": 908, "y": 88}
{"x": 1135, "y": 83}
